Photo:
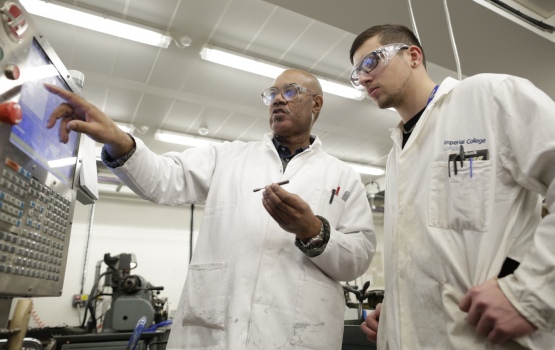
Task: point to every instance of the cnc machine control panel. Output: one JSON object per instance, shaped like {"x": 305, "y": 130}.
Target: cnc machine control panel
{"x": 38, "y": 173}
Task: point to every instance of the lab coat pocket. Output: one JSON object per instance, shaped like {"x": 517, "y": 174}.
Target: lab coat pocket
{"x": 206, "y": 293}
{"x": 328, "y": 206}
{"x": 319, "y": 316}
{"x": 460, "y": 202}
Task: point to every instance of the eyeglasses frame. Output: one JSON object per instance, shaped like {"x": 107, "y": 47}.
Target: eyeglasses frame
{"x": 279, "y": 92}
{"x": 384, "y": 54}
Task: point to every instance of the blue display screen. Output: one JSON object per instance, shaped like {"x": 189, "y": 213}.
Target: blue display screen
{"x": 37, "y": 104}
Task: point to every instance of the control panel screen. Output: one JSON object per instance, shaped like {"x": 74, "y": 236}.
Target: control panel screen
{"x": 37, "y": 104}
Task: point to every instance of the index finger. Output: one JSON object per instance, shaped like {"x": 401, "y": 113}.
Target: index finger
{"x": 56, "y": 90}
{"x": 70, "y": 97}
{"x": 66, "y": 109}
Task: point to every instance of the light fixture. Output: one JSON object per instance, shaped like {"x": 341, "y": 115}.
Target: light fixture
{"x": 270, "y": 70}
{"x": 536, "y": 16}
{"x": 128, "y": 128}
{"x": 98, "y": 152}
{"x": 366, "y": 169}
{"x": 63, "y": 162}
{"x": 194, "y": 141}
{"x": 203, "y": 131}
{"x": 182, "y": 139}
{"x": 96, "y": 21}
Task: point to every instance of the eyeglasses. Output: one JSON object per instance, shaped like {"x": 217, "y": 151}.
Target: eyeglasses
{"x": 289, "y": 92}
{"x": 370, "y": 61}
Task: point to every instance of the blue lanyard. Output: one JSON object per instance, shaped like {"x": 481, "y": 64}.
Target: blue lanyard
{"x": 432, "y": 95}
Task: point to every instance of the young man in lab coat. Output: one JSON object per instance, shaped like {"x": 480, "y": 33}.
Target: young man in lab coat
{"x": 468, "y": 261}
{"x": 267, "y": 264}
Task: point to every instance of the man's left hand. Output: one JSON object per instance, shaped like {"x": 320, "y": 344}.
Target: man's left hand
{"x": 493, "y": 315}
{"x": 291, "y": 212}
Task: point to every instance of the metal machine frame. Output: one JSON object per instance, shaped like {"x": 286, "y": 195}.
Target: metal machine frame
{"x": 37, "y": 198}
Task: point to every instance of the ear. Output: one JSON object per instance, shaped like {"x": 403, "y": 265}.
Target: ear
{"x": 415, "y": 55}
{"x": 317, "y": 103}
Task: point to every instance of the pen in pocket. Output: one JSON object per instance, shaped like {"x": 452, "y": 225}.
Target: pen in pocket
{"x": 332, "y": 195}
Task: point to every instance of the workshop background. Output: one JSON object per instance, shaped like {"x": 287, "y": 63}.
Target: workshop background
{"x": 150, "y": 89}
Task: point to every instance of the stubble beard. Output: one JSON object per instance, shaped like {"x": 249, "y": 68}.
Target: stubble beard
{"x": 396, "y": 97}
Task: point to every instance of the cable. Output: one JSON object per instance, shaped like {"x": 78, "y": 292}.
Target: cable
{"x": 156, "y": 342}
{"x": 154, "y": 327}
{"x": 413, "y": 22}
{"x": 192, "y": 231}
{"x": 78, "y": 310}
{"x": 452, "y": 37}
{"x": 85, "y": 259}
{"x": 92, "y": 298}
{"x": 36, "y": 317}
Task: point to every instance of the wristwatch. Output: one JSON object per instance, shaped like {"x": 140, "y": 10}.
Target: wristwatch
{"x": 318, "y": 243}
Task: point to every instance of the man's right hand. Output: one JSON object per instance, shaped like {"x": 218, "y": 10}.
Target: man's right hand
{"x": 370, "y": 324}
{"x": 78, "y": 115}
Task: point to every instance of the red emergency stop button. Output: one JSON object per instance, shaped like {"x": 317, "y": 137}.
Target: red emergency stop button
{"x": 10, "y": 113}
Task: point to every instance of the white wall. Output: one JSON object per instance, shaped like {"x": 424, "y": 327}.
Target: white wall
{"x": 159, "y": 238}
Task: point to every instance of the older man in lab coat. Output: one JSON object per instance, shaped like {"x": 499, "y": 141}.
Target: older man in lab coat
{"x": 266, "y": 269}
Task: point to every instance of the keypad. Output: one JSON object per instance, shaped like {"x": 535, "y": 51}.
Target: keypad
{"x": 39, "y": 217}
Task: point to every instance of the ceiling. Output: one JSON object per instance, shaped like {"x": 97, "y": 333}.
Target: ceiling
{"x": 174, "y": 89}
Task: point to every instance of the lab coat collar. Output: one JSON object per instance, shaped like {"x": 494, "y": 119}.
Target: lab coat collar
{"x": 267, "y": 139}
{"x": 446, "y": 86}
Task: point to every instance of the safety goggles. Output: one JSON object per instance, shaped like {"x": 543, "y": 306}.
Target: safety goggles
{"x": 370, "y": 61}
{"x": 289, "y": 92}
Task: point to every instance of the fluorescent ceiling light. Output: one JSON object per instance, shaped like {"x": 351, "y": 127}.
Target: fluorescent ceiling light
{"x": 97, "y": 22}
{"x": 270, "y": 70}
{"x": 341, "y": 89}
{"x": 63, "y": 162}
{"x": 182, "y": 139}
{"x": 128, "y": 128}
{"x": 242, "y": 62}
{"x": 194, "y": 141}
{"x": 98, "y": 151}
{"x": 366, "y": 169}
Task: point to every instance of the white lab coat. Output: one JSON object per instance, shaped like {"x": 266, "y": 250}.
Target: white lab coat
{"x": 444, "y": 234}
{"x": 248, "y": 286}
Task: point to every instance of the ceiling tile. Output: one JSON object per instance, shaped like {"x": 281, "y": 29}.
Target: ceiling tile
{"x": 134, "y": 61}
